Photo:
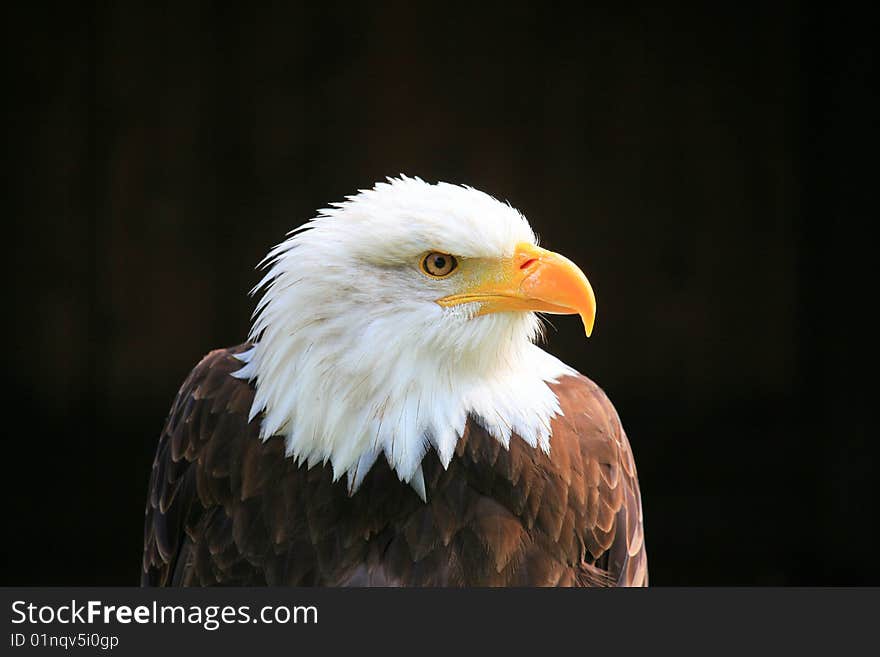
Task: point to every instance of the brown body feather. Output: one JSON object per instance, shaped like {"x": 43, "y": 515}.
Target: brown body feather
{"x": 226, "y": 508}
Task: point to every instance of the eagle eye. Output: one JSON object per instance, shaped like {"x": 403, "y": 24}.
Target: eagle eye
{"x": 439, "y": 265}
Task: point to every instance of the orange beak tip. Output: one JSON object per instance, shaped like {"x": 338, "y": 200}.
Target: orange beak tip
{"x": 588, "y": 324}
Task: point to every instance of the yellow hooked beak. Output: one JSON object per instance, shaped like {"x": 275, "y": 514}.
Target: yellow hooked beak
{"x": 534, "y": 279}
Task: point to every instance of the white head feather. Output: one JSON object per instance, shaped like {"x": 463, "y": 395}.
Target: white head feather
{"x": 354, "y": 358}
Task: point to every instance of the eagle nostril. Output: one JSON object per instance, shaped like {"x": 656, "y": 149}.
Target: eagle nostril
{"x": 528, "y": 262}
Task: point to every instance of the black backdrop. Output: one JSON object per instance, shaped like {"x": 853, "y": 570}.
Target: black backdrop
{"x": 707, "y": 167}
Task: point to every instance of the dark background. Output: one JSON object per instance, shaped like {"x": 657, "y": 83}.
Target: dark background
{"x": 709, "y": 168}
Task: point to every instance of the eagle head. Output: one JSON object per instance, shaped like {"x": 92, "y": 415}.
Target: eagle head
{"x": 392, "y": 317}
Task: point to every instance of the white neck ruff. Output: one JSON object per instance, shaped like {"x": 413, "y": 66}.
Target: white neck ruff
{"x": 336, "y": 401}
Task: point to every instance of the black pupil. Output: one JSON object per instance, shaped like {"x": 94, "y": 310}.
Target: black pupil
{"x": 439, "y": 262}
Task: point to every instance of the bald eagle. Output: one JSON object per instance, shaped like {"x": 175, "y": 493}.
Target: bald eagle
{"x": 390, "y": 420}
